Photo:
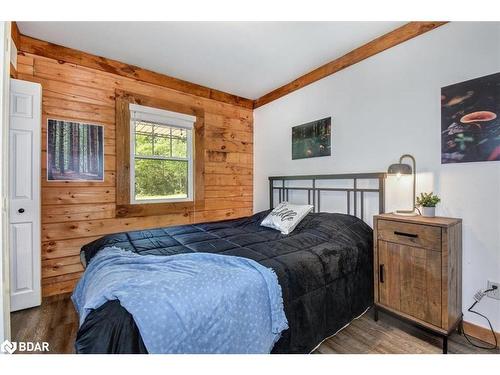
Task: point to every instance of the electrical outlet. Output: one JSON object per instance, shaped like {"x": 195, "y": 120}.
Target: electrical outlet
{"x": 494, "y": 293}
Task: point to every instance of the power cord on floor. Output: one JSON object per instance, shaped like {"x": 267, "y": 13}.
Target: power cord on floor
{"x": 478, "y": 297}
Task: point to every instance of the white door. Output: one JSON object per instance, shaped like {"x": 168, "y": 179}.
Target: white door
{"x": 4, "y": 119}
{"x": 24, "y": 215}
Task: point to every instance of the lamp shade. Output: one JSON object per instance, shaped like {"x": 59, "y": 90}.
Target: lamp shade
{"x": 399, "y": 169}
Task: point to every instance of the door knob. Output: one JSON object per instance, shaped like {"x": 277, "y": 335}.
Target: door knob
{"x": 21, "y": 210}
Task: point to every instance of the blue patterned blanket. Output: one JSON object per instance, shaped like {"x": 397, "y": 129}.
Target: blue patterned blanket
{"x": 188, "y": 303}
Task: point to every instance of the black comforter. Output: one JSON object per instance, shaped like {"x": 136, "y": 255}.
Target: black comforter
{"x": 324, "y": 268}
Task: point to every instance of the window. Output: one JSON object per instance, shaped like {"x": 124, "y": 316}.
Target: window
{"x": 161, "y": 155}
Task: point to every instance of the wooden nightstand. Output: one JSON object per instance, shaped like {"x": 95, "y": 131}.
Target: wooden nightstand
{"x": 418, "y": 271}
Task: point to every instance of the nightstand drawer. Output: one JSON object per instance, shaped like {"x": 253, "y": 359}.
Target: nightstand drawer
{"x": 410, "y": 234}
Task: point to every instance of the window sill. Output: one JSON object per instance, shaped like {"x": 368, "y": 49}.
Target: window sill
{"x": 152, "y": 209}
{"x": 161, "y": 201}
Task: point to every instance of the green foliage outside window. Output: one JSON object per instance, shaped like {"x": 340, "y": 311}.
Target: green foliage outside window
{"x": 159, "y": 174}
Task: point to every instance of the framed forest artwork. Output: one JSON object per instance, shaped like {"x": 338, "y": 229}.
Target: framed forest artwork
{"x": 470, "y": 120}
{"x": 75, "y": 151}
{"x": 312, "y": 139}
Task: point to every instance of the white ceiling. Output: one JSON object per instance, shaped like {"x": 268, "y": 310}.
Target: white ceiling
{"x": 248, "y": 59}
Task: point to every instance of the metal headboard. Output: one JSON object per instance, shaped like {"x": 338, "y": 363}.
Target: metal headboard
{"x": 315, "y": 191}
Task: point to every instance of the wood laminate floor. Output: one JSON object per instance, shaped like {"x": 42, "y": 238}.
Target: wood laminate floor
{"x": 56, "y": 322}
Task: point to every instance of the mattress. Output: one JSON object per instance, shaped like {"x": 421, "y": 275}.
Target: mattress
{"x": 324, "y": 268}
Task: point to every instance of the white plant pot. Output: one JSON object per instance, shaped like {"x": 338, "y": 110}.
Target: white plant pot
{"x": 429, "y": 211}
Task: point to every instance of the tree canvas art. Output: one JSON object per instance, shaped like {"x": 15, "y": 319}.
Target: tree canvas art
{"x": 75, "y": 151}
{"x": 470, "y": 122}
{"x": 312, "y": 139}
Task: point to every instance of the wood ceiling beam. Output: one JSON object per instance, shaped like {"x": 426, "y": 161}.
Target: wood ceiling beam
{"x": 57, "y": 52}
{"x": 60, "y": 53}
{"x": 391, "y": 39}
{"x": 15, "y": 34}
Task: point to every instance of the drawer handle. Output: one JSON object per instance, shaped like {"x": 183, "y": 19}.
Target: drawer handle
{"x": 381, "y": 273}
{"x": 411, "y": 235}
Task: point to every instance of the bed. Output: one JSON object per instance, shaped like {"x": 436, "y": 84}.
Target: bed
{"x": 324, "y": 267}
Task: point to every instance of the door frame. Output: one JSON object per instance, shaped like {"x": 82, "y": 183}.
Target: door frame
{"x": 5, "y": 47}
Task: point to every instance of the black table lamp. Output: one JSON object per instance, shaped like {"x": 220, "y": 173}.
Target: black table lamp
{"x": 400, "y": 169}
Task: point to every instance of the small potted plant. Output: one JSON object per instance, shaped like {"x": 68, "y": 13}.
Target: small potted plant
{"x": 428, "y": 203}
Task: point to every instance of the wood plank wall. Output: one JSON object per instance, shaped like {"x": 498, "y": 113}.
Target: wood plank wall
{"x": 75, "y": 213}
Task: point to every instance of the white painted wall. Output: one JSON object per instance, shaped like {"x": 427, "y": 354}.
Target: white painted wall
{"x": 388, "y": 105}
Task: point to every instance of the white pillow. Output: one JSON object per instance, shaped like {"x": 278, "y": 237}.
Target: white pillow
{"x": 285, "y": 217}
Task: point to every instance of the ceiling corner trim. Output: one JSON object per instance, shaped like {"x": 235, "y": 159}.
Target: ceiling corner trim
{"x": 386, "y": 41}
{"x": 54, "y": 51}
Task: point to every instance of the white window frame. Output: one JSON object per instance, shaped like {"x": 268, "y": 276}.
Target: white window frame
{"x": 168, "y": 118}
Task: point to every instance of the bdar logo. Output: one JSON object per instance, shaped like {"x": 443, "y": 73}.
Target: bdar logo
{"x": 8, "y": 347}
